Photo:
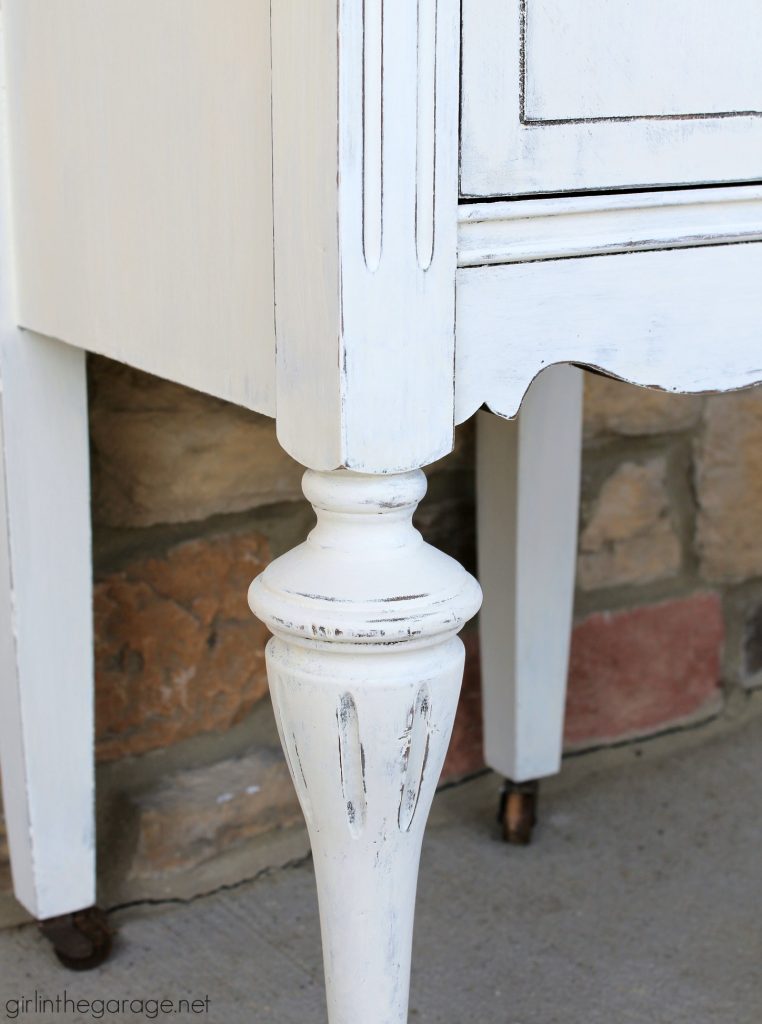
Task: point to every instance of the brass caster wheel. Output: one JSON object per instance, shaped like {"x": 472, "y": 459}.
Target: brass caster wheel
{"x": 518, "y": 811}
{"x": 81, "y": 940}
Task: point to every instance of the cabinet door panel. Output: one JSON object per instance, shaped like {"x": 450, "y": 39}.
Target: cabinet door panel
{"x": 598, "y": 94}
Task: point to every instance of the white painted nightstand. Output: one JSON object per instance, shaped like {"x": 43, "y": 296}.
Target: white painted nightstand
{"x": 372, "y": 218}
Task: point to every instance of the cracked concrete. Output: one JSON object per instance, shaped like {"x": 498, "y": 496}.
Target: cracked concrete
{"x": 640, "y": 902}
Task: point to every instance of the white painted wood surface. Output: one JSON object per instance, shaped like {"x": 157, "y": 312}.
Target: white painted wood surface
{"x": 635, "y": 58}
{"x": 528, "y": 472}
{"x": 46, "y": 642}
{"x": 563, "y": 95}
{"x": 365, "y": 158}
{"x": 523, "y": 230}
{"x": 684, "y": 321}
{"x": 46, "y": 638}
{"x": 142, "y": 184}
{"x": 365, "y": 670}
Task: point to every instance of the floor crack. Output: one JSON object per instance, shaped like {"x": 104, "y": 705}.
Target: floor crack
{"x": 296, "y": 862}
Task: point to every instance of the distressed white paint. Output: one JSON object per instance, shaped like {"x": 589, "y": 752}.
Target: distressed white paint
{"x": 711, "y": 83}
{"x": 145, "y": 225}
{"x": 629, "y": 58}
{"x": 142, "y": 184}
{"x": 365, "y": 260}
{"x": 687, "y": 321}
{"x": 46, "y": 660}
{"x": 528, "y": 473}
{"x": 364, "y": 671}
{"x": 521, "y": 230}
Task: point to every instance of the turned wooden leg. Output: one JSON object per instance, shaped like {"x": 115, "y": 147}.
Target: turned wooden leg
{"x": 528, "y": 495}
{"x": 365, "y": 670}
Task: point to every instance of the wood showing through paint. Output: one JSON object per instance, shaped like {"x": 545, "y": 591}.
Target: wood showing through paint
{"x": 352, "y": 764}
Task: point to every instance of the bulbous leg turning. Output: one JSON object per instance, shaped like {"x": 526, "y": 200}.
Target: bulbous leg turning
{"x": 365, "y": 671}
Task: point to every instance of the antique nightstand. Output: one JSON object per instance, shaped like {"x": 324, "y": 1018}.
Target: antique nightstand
{"x": 370, "y": 219}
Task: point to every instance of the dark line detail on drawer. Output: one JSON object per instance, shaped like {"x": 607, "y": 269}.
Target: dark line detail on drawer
{"x": 470, "y": 199}
{"x": 606, "y": 255}
{"x": 612, "y": 118}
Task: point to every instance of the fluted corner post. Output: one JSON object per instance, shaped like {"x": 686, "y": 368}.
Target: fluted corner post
{"x": 365, "y": 669}
{"x": 365, "y": 229}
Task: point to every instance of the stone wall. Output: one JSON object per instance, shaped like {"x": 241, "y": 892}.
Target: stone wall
{"x": 192, "y": 497}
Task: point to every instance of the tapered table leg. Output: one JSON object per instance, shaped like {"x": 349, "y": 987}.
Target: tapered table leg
{"x": 46, "y": 684}
{"x": 365, "y": 670}
{"x": 528, "y": 495}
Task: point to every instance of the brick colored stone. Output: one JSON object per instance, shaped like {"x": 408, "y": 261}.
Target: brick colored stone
{"x": 191, "y": 817}
{"x": 177, "y": 650}
{"x": 615, "y": 407}
{"x": 163, "y": 453}
{"x": 729, "y": 487}
{"x": 629, "y": 537}
{"x": 465, "y": 755}
{"x": 640, "y": 670}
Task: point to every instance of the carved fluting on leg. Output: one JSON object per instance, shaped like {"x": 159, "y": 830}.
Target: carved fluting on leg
{"x": 365, "y": 670}
{"x": 365, "y": 756}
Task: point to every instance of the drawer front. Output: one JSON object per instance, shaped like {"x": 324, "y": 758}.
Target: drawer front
{"x": 575, "y": 95}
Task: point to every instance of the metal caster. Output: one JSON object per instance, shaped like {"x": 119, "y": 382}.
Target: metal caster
{"x": 518, "y": 811}
{"x": 81, "y": 940}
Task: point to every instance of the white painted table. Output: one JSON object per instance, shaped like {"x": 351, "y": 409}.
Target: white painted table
{"x": 191, "y": 181}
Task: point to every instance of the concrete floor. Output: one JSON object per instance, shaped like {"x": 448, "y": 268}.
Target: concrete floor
{"x": 639, "y": 903}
